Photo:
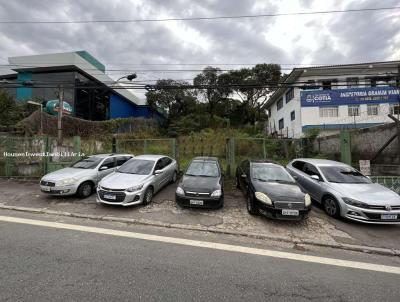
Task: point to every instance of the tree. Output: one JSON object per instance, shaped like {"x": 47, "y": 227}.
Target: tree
{"x": 211, "y": 86}
{"x": 11, "y": 112}
{"x": 253, "y": 86}
{"x": 172, "y": 97}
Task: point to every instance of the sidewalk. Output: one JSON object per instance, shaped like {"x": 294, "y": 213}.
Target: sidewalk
{"x": 233, "y": 218}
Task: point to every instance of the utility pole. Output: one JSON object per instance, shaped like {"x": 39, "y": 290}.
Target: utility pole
{"x": 60, "y": 114}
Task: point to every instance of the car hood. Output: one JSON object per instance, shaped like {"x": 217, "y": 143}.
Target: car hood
{"x": 123, "y": 180}
{"x": 67, "y": 173}
{"x": 279, "y": 191}
{"x": 373, "y": 193}
{"x": 200, "y": 183}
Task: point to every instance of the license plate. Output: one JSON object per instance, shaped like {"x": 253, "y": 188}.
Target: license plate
{"x": 196, "y": 202}
{"x": 108, "y": 196}
{"x": 388, "y": 216}
{"x": 290, "y": 212}
{"x": 46, "y": 189}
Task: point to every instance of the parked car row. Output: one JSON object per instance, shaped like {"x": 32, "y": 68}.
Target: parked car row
{"x": 271, "y": 189}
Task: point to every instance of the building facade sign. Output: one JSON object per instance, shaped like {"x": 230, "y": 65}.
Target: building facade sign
{"x": 336, "y": 97}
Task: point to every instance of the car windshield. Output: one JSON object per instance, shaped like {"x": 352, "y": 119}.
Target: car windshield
{"x": 203, "y": 168}
{"x": 137, "y": 166}
{"x": 343, "y": 174}
{"x": 267, "y": 172}
{"x": 87, "y": 163}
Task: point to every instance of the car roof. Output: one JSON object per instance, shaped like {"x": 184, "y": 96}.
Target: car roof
{"x": 264, "y": 161}
{"x": 150, "y": 156}
{"x": 104, "y": 155}
{"x": 205, "y": 158}
{"x": 321, "y": 162}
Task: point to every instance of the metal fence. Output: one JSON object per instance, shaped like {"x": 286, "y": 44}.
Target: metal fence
{"x": 391, "y": 182}
{"x": 147, "y": 146}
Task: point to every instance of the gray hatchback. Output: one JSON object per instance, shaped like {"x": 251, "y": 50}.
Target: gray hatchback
{"x": 344, "y": 191}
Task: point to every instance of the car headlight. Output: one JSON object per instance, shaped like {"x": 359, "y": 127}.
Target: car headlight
{"x": 307, "y": 200}
{"x": 354, "y": 203}
{"x": 263, "y": 198}
{"x": 216, "y": 193}
{"x": 179, "y": 191}
{"x": 134, "y": 188}
{"x": 67, "y": 181}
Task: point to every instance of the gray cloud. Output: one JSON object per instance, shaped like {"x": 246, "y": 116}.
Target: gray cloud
{"x": 366, "y": 36}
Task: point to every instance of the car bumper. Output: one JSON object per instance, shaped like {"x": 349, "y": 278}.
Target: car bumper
{"x": 274, "y": 213}
{"x": 370, "y": 216}
{"x": 122, "y": 198}
{"x": 59, "y": 190}
{"x": 208, "y": 202}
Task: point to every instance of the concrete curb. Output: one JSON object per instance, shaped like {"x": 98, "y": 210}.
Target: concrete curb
{"x": 343, "y": 246}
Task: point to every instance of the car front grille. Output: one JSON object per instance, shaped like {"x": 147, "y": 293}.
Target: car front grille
{"x": 196, "y": 194}
{"x": 112, "y": 190}
{"x": 377, "y": 217}
{"x": 47, "y": 183}
{"x": 383, "y": 208}
{"x": 119, "y": 196}
{"x": 289, "y": 205}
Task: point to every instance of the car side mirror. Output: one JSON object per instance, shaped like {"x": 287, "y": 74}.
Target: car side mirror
{"x": 316, "y": 177}
{"x": 102, "y": 168}
{"x": 295, "y": 177}
{"x": 158, "y": 172}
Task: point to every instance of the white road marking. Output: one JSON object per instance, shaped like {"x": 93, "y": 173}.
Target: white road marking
{"x": 210, "y": 245}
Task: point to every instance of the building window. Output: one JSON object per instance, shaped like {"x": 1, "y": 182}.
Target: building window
{"x": 327, "y": 85}
{"x": 281, "y": 124}
{"x": 289, "y": 95}
{"x": 373, "y": 109}
{"x": 354, "y": 110}
{"x": 352, "y": 82}
{"x": 310, "y": 85}
{"x": 395, "y": 109}
{"x": 329, "y": 111}
{"x": 292, "y": 115}
{"x": 279, "y": 104}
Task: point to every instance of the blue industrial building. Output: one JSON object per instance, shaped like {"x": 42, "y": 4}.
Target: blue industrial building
{"x": 91, "y": 93}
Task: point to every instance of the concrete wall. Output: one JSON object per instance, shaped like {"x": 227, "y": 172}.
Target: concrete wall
{"x": 364, "y": 144}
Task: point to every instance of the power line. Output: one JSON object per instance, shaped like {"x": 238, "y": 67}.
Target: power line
{"x": 205, "y": 18}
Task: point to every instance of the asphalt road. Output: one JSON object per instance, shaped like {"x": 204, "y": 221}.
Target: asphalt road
{"x": 41, "y": 263}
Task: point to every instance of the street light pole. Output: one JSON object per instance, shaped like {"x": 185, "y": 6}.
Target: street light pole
{"x": 60, "y": 114}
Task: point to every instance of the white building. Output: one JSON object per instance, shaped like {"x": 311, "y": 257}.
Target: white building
{"x": 331, "y": 98}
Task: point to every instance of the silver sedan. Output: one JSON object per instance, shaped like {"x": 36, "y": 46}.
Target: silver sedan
{"x": 344, "y": 191}
{"x": 137, "y": 180}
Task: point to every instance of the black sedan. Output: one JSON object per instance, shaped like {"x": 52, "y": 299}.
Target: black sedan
{"x": 271, "y": 190}
{"x": 202, "y": 184}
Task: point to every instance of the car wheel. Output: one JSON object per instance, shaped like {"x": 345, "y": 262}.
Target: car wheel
{"x": 331, "y": 207}
{"x": 148, "y": 195}
{"x": 237, "y": 183}
{"x": 251, "y": 207}
{"x": 174, "y": 177}
{"x": 85, "y": 189}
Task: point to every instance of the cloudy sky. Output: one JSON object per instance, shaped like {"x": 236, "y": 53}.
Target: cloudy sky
{"x": 287, "y": 40}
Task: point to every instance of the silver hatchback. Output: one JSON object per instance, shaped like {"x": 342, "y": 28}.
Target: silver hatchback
{"x": 344, "y": 191}
{"x": 82, "y": 177}
{"x": 137, "y": 180}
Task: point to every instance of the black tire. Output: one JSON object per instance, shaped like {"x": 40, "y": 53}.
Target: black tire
{"x": 174, "y": 177}
{"x": 238, "y": 183}
{"x": 331, "y": 206}
{"x": 85, "y": 189}
{"x": 250, "y": 205}
{"x": 148, "y": 195}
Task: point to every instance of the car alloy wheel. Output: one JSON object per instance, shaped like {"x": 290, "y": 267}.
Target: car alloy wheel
{"x": 85, "y": 190}
{"x": 148, "y": 196}
{"x": 174, "y": 176}
{"x": 251, "y": 208}
{"x": 331, "y": 207}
